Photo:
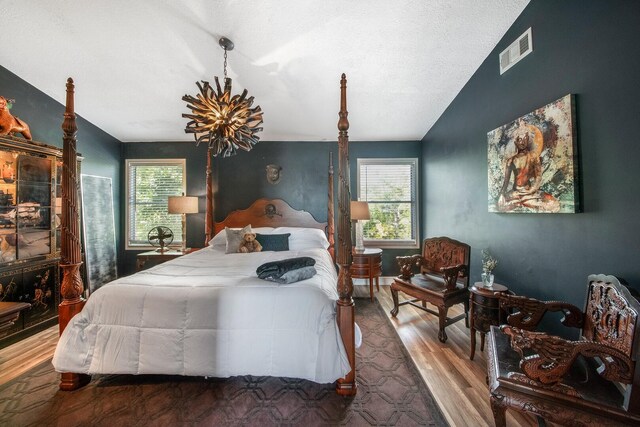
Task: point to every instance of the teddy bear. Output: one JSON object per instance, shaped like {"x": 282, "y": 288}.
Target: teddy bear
{"x": 249, "y": 244}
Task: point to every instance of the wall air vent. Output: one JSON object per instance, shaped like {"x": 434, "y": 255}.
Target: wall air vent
{"x": 520, "y": 48}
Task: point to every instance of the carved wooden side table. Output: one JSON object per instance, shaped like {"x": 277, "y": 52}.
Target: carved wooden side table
{"x": 368, "y": 265}
{"x": 484, "y": 311}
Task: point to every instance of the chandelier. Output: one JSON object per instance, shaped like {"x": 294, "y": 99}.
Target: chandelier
{"x": 224, "y": 122}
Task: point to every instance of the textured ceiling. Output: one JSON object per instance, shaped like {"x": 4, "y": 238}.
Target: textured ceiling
{"x": 133, "y": 60}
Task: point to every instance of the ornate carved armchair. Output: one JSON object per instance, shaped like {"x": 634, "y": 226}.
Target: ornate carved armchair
{"x": 443, "y": 282}
{"x": 591, "y": 381}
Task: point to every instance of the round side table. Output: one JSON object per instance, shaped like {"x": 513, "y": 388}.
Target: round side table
{"x": 484, "y": 311}
{"x": 368, "y": 265}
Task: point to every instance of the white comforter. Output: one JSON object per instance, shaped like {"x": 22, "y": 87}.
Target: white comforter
{"x": 208, "y": 314}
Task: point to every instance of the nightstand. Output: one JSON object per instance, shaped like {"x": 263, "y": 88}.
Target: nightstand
{"x": 151, "y": 258}
{"x": 484, "y": 311}
{"x": 368, "y": 265}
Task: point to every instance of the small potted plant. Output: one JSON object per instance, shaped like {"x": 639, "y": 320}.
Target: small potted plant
{"x": 489, "y": 263}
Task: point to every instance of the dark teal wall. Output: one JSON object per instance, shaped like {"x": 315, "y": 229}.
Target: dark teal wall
{"x": 44, "y": 116}
{"x": 240, "y": 180}
{"x": 590, "y": 49}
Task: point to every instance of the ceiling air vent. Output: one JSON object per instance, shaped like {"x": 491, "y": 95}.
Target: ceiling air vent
{"x": 520, "y": 48}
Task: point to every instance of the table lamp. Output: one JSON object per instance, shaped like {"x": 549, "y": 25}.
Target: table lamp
{"x": 183, "y": 205}
{"x": 359, "y": 213}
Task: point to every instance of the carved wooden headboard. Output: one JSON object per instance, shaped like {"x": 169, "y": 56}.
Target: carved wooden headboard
{"x": 270, "y": 213}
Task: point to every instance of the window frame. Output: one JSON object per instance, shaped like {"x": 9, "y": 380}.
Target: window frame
{"x": 415, "y": 221}
{"x": 147, "y": 162}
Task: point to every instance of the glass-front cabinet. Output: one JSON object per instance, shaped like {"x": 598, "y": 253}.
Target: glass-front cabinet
{"x": 26, "y": 206}
{"x": 30, "y": 207}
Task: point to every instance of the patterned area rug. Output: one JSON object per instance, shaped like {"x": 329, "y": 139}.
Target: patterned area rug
{"x": 390, "y": 392}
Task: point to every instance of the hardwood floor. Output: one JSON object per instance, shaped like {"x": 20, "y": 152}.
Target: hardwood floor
{"x": 457, "y": 383}
{"x": 31, "y": 351}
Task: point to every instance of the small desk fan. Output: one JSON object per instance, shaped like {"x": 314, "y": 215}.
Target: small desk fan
{"x": 160, "y": 236}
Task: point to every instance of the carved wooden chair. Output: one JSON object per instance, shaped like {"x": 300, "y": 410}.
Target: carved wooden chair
{"x": 591, "y": 381}
{"x": 443, "y": 282}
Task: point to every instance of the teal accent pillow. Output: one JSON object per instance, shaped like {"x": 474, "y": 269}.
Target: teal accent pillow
{"x": 274, "y": 242}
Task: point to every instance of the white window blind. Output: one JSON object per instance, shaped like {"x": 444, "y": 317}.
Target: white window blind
{"x": 390, "y": 188}
{"x": 149, "y": 185}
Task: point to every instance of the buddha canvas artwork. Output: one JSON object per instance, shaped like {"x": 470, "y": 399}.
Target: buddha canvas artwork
{"x": 532, "y": 162}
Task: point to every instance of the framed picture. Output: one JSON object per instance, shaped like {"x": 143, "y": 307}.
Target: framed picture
{"x": 533, "y": 162}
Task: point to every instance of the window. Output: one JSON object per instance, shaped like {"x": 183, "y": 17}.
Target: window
{"x": 390, "y": 188}
{"x": 149, "y": 185}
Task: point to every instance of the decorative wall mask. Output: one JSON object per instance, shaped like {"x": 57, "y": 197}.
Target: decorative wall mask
{"x": 10, "y": 124}
{"x": 274, "y": 173}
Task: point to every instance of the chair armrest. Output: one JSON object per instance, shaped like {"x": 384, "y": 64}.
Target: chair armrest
{"x": 549, "y": 358}
{"x": 531, "y": 311}
{"x": 451, "y": 274}
{"x": 406, "y": 264}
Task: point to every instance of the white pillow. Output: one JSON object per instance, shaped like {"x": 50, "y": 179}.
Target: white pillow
{"x": 304, "y": 238}
{"x": 263, "y": 230}
{"x": 235, "y": 238}
{"x": 220, "y": 239}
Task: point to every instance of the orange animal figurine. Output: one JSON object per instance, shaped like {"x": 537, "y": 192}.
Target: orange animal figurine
{"x": 10, "y": 124}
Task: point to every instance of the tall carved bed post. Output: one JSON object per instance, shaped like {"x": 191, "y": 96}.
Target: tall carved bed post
{"x": 331, "y": 229}
{"x": 346, "y": 311}
{"x": 72, "y": 287}
{"x": 208, "y": 219}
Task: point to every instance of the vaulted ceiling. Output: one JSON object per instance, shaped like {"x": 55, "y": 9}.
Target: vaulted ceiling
{"x": 133, "y": 60}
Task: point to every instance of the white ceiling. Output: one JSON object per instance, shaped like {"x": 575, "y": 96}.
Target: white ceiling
{"x": 133, "y": 60}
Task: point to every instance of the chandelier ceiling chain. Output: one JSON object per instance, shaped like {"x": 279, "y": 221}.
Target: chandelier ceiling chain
{"x": 225, "y": 63}
{"x": 226, "y": 123}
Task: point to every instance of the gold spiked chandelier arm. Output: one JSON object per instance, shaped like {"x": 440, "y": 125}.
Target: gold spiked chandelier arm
{"x": 224, "y": 122}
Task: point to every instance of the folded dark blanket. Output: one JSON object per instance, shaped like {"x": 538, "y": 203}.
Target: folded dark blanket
{"x": 294, "y": 275}
{"x": 276, "y": 269}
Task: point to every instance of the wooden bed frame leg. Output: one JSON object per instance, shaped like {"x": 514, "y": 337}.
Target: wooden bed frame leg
{"x": 70, "y": 382}
{"x": 346, "y": 323}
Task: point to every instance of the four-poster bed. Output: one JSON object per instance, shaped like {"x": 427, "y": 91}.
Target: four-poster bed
{"x": 214, "y": 298}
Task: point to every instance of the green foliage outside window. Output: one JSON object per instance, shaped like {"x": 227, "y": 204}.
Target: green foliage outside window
{"x": 389, "y": 221}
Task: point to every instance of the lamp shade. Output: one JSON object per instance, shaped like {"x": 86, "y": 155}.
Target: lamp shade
{"x": 183, "y": 204}
{"x": 359, "y": 211}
